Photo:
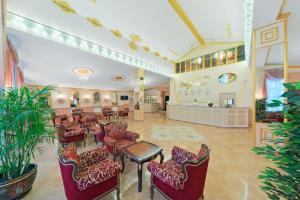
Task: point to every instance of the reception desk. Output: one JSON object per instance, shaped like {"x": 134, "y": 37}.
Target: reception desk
{"x": 221, "y": 117}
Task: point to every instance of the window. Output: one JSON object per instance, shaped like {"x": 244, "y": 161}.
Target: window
{"x": 274, "y": 90}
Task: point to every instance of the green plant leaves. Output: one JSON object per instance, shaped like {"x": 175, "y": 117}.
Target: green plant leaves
{"x": 24, "y": 124}
{"x": 283, "y": 181}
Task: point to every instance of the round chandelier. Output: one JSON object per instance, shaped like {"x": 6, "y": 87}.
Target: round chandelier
{"x": 83, "y": 73}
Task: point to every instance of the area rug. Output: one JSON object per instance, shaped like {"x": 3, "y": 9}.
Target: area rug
{"x": 175, "y": 133}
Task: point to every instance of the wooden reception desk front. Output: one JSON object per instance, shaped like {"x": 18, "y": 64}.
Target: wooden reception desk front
{"x": 215, "y": 116}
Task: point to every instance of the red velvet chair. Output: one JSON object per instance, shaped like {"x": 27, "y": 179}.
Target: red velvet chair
{"x": 67, "y": 135}
{"x": 182, "y": 177}
{"x": 117, "y": 138}
{"x": 89, "y": 175}
{"x": 108, "y": 113}
{"x": 123, "y": 113}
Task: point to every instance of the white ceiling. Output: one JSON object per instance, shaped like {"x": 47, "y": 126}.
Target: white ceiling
{"x": 265, "y": 12}
{"x": 45, "y": 62}
{"x": 154, "y": 21}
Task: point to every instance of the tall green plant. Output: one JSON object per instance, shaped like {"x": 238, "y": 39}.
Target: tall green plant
{"x": 283, "y": 181}
{"x": 24, "y": 125}
{"x": 261, "y": 109}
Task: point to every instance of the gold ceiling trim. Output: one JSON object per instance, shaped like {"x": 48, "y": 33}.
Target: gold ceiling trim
{"x": 94, "y": 21}
{"x": 157, "y": 53}
{"x": 146, "y": 48}
{"x": 281, "y": 15}
{"x": 116, "y": 32}
{"x": 181, "y": 13}
{"x": 132, "y": 45}
{"x": 65, "y": 6}
{"x": 135, "y": 38}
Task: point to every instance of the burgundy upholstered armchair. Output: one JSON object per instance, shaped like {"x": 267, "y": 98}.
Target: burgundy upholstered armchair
{"x": 67, "y": 135}
{"x": 107, "y": 113}
{"x": 89, "y": 175}
{"x": 117, "y": 138}
{"x": 182, "y": 177}
{"x": 123, "y": 113}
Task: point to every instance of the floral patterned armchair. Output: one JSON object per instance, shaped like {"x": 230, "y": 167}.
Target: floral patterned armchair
{"x": 117, "y": 138}
{"x": 70, "y": 134}
{"x": 182, "y": 177}
{"x": 89, "y": 175}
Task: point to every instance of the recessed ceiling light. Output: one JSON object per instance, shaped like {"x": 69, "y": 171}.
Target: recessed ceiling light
{"x": 83, "y": 73}
{"x": 118, "y": 77}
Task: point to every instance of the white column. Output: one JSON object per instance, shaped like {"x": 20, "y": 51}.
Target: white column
{"x": 3, "y": 43}
{"x": 139, "y": 95}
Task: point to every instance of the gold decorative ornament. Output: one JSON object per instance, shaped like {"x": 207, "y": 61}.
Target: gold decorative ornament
{"x": 65, "y": 6}
{"x": 132, "y": 45}
{"x": 157, "y": 53}
{"x": 116, "y": 32}
{"x": 94, "y": 1}
{"x": 94, "y": 21}
{"x": 165, "y": 58}
{"x": 135, "y": 38}
{"x": 146, "y": 48}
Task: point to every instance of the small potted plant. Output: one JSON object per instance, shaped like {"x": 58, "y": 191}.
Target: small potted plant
{"x": 25, "y": 123}
{"x": 210, "y": 104}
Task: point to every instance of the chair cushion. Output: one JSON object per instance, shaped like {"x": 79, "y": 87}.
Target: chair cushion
{"x": 70, "y": 153}
{"x": 97, "y": 173}
{"x": 77, "y": 131}
{"x": 121, "y": 144}
{"x": 116, "y": 130}
{"x": 180, "y": 155}
{"x": 168, "y": 172}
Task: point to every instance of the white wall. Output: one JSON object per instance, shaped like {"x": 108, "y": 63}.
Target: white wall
{"x": 206, "y": 86}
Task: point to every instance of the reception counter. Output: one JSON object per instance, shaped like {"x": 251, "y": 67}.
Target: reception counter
{"x": 221, "y": 117}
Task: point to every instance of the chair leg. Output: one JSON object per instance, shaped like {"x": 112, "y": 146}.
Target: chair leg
{"x": 151, "y": 191}
{"x": 84, "y": 143}
{"x": 122, "y": 162}
{"x": 118, "y": 193}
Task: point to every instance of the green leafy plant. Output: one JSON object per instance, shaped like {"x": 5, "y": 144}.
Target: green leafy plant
{"x": 261, "y": 109}
{"x": 283, "y": 180}
{"x": 24, "y": 124}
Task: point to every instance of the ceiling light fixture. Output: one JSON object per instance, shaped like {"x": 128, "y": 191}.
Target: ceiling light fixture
{"x": 83, "y": 73}
{"x": 40, "y": 30}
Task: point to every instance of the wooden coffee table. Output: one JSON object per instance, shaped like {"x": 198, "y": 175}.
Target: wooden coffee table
{"x": 140, "y": 153}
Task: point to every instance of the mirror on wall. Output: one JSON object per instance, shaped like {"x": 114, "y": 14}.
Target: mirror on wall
{"x": 96, "y": 98}
{"x": 227, "y": 78}
{"x": 75, "y": 99}
{"x": 114, "y": 99}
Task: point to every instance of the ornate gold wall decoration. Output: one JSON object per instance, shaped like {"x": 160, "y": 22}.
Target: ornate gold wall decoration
{"x": 132, "y": 45}
{"x": 269, "y": 35}
{"x": 94, "y": 21}
{"x": 135, "y": 38}
{"x": 165, "y": 58}
{"x": 64, "y": 6}
{"x": 228, "y": 30}
{"x": 94, "y": 1}
{"x": 146, "y": 48}
{"x": 156, "y": 53}
{"x": 116, "y": 32}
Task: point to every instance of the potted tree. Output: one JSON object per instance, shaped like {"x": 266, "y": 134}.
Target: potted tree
{"x": 283, "y": 180}
{"x": 25, "y": 123}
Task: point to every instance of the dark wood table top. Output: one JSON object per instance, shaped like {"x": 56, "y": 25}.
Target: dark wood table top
{"x": 142, "y": 151}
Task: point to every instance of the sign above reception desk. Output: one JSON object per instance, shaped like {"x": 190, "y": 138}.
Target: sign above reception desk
{"x": 204, "y": 86}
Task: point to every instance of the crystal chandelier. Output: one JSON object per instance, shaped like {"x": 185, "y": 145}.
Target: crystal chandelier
{"x": 83, "y": 73}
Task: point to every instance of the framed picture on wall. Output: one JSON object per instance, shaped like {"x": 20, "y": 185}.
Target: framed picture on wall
{"x": 214, "y": 59}
{"x": 207, "y": 60}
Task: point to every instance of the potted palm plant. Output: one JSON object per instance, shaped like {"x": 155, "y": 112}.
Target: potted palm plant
{"x": 25, "y": 123}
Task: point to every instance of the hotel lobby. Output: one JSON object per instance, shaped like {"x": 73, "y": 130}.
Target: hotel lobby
{"x": 134, "y": 100}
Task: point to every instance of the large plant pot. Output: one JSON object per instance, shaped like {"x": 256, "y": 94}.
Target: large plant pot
{"x": 15, "y": 188}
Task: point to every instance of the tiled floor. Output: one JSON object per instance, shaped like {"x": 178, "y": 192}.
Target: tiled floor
{"x": 232, "y": 173}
